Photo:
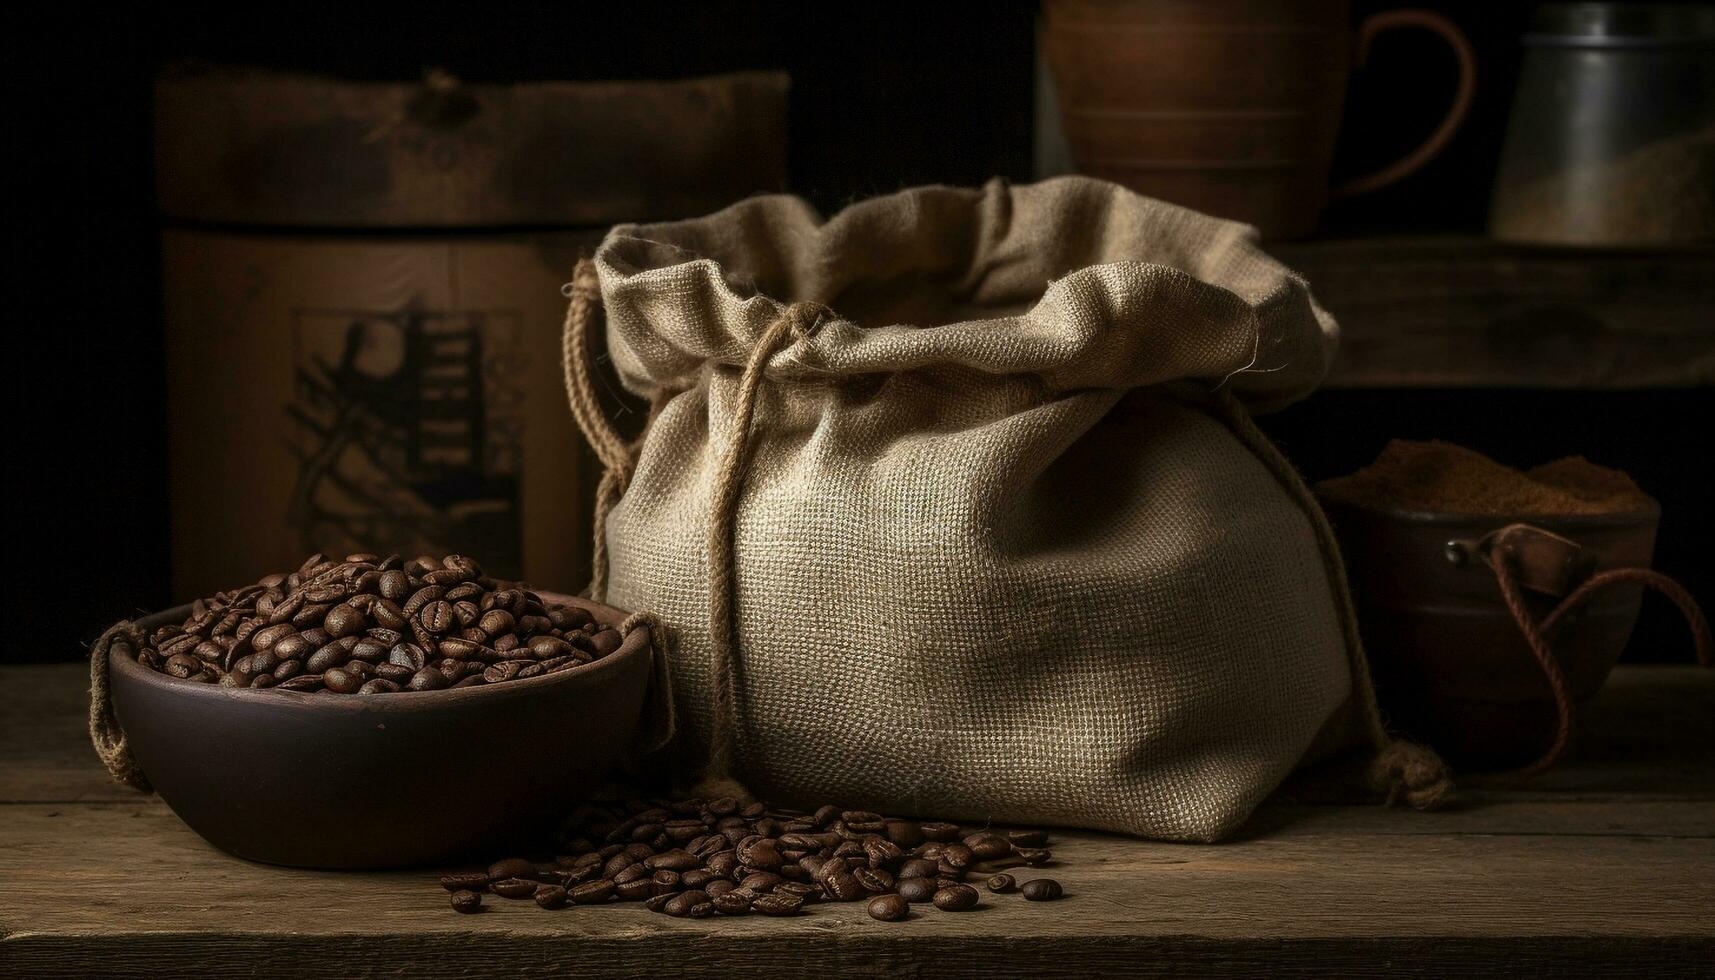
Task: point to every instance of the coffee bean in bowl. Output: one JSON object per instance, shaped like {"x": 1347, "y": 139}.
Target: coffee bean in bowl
{"x": 325, "y": 767}
{"x": 370, "y": 625}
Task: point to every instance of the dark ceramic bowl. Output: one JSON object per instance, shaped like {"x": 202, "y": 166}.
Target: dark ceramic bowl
{"x": 1451, "y": 666}
{"x": 384, "y": 780}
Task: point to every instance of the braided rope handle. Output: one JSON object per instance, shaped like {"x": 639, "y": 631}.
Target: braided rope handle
{"x": 1536, "y": 634}
{"x": 104, "y": 730}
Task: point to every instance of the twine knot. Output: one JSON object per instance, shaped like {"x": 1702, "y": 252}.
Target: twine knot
{"x": 1411, "y": 774}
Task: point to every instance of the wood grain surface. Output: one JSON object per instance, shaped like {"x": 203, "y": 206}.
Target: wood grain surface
{"x": 1607, "y": 867}
{"x": 1463, "y": 311}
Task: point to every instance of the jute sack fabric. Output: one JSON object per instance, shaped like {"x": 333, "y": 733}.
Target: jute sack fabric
{"x": 952, "y": 507}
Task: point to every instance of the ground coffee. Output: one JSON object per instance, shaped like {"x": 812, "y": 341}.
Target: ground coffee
{"x": 696, "y": 858}
{"x": 1439, "y": 476}
{"x": 372, "y": 625}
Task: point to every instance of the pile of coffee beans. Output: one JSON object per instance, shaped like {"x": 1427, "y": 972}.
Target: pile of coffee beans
{"x": 372, "y": 625}
{"x": 697, "y": 858}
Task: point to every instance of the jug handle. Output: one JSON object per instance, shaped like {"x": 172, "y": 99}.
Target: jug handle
{"x": 1427, "y": 20}
{"x": 1526, "y": 557}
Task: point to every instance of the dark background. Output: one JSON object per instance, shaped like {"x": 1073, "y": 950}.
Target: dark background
{"x": 884, "y": 96}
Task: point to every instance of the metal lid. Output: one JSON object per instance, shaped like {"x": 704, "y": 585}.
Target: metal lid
{"x": 1621, "y": 25}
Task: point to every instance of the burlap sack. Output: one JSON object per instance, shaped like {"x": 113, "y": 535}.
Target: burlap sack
{"x": 987, "y": 535}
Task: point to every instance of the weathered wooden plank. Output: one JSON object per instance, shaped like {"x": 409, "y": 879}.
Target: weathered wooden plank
{"x": 1463, "y": 311}
{"x": 277, "y": 149}
{"x": 135, "y": 869}
{"x": 129, "y": 887}
{"x": 1590, "y": 878}
{"x": 904, "y": 952}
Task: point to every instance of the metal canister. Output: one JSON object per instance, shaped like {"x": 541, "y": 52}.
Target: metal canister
{"x": 1612, "y": 134}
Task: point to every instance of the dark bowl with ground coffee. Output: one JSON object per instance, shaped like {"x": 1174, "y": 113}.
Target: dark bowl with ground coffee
{"x": 395, "y": 776}
{"x": 1451, "y": 664}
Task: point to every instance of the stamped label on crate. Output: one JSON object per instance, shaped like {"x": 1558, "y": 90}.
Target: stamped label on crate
{"x": 407, "y": 426}
{"x": 367, "y": 394}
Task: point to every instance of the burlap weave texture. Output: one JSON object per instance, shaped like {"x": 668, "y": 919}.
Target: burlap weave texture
{"x": 995, "y": 557}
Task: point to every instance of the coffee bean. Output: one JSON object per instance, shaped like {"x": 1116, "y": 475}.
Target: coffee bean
{"x": 475, "y": 881}
{"x": 674, "y": 860}
{"x": 395, "y": 584}
{"x": 988, "y": 845}
{"x": 1002, "y": 883}
{"x": 634, "y": 891}
{"x": 550, "y": 896}
{"x": 1034, "y": 856}
{"x": 1041, "y": 890}
{"x": 511, "y": 868}
{"x": 888, "y": 908}
{"x": 267, "y": 636}
{"x": 777, "y": 905}
{"x": 394, "y": 673}
{"x": 659, "y": 902}
{"x": 842, "y": 886}
{"x": 342, "y": 681}
{"x": 956, "y": 898}
{"x": 428, "y": 679}
{"x": 592, "y": 892}
{"x": 387, "y": 613}
{"x": 496, "y": 622}
{"x": 408, "y": 655}
{"x": 344, "y": 621}
{"x": 437, "y": 617}
{"x": 183, "y": 665}
{"x": 957, "y": 855}
{"x": 917, "y": 868}
{"x": 513, "y": 888}
{"x": 903, "y": 833}
{"x": 1028, "y": 838}
{"x": 940, "y": 832}
{"x": 881, "y": 852}
{"x": 681, "y": 904}
{"x": 466, "y": 902}
{"x": 604, "y": 642}
{"x": 873, "y": 879}
{"x": 731, "y": 903}
{"x": 916, "y": 889}
{"x": 379, "y": 685}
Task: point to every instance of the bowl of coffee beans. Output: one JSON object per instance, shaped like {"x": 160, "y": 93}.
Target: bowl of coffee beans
{"x": 374, "y": 711}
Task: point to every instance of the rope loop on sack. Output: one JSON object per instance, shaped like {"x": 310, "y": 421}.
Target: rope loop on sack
{"x": 619, "y": 460}
{"x": 1536, "y": 634}
{"x": 1405, "y": 772}
{"x": 795, "y": 322}
{"x": 104, "y": 731}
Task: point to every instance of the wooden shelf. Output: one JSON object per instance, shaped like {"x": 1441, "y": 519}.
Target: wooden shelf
{"x": 1604, "y": 867}
{"x": 1464, "y": 311}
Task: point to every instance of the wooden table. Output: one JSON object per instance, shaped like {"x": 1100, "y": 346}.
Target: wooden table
{"x": 1604, "y": 867}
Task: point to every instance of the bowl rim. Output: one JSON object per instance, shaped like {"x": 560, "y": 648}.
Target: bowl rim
{"x": 1608, "y": 519}
{"x": 631, "y": 644}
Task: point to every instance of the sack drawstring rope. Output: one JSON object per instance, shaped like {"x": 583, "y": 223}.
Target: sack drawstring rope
{"x": 1405, "y": 771}
{"x": 795, "y": 322}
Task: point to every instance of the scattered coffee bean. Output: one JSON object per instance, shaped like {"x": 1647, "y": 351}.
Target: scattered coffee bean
{"x": 888, "y": 908}
{"x": 777, "y": 905}
{"x": 404, "y": 621}
{"x": 467, "y": 901}
{"x": 513, "y": 888}
{"x": 956, "y": 898}
{"x": 465, "y": 882}
{"x": 1041, "y": 890}
{"x": 916, "y": 890}
{"x": 695, "y": 858}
